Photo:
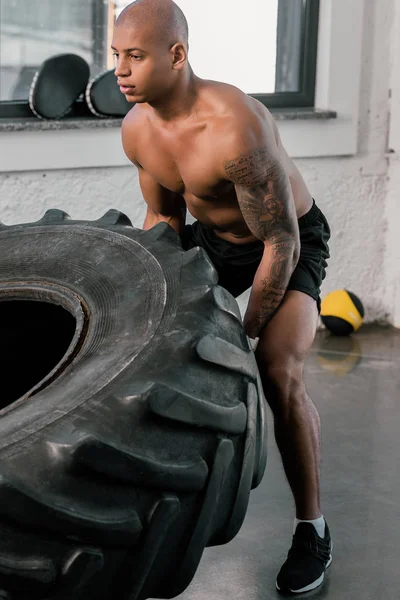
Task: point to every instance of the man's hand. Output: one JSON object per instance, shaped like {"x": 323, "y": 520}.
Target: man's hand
{"x": 266, "y": 201}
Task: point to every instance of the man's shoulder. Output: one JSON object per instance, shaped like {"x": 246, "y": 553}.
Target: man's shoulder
{"x": 135, "y": 118}
{"x": 132, "y": 125}
{"x": 239, "y": 120}
{"x": 229, "y": 99}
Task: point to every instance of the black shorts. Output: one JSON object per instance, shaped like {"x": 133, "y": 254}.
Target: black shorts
{"x": 237, "y": 264}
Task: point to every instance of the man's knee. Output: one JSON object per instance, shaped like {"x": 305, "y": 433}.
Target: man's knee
{"x": 282, "y": 380}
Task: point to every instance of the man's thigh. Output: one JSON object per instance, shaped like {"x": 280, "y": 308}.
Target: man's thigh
{"x": 287, "y": 339}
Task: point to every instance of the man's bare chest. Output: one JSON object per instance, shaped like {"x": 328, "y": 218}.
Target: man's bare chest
{"x": 183, "y": 164}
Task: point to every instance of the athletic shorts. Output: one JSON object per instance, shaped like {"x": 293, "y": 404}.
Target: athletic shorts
{"x": 236, "y": 264}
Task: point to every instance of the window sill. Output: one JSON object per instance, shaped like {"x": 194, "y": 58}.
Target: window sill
{"x": 34, "y": 124}
{"x": 302, "y": 114}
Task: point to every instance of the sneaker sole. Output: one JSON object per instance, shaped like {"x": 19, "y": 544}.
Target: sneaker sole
{"x": 312, "y": 585}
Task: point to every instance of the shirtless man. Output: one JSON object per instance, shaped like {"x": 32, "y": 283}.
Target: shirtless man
{"x": 209, "y": 148}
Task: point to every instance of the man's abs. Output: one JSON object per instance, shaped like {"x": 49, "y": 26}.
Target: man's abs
{"x": 221, "y": 214}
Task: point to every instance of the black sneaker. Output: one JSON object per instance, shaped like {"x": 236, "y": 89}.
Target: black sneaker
{"x": 309, "y": 556}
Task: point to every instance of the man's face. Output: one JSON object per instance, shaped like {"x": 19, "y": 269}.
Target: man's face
{"x": 143, "y": 66}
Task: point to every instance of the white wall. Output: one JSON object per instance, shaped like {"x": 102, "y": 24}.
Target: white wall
{"x": 359, "y": 194}
{"x": 83, "y": 193}
{"x": 392, "y": 256}
{"x": 354, "y": 192}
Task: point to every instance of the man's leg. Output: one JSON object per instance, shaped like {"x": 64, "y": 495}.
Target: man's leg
{"x": 281, "y": 352}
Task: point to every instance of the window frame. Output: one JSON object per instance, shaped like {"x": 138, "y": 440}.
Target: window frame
{"x": 305, "y": 97}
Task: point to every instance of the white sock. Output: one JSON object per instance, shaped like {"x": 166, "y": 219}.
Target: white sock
{"x": 319, "y": 525}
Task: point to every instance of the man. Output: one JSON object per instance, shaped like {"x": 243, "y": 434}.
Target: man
{"x": 209, "y": 148}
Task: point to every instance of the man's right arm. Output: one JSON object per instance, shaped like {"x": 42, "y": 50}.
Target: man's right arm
{"x": 162, "y": 205}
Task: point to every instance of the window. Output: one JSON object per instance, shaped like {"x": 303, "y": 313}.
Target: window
{"x": 31, "y": 32}
{"x": 267, "y": 48}
{"x": 338, "y": 88}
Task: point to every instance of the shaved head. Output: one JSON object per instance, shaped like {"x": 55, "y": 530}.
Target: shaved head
{"x": 150, "y": 44}
{"x": 161, "y": 20}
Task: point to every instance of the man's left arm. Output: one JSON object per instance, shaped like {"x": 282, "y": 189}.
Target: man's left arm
{"x": 266, "y": 201}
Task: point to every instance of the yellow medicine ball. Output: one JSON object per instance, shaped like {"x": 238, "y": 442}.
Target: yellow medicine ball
{"x": 342, "y": 312}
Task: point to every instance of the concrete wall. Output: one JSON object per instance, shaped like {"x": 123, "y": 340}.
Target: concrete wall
{"x": 392, "y": 214}
{"x": 359, "y": 194}
{"x": 83, "y": 193}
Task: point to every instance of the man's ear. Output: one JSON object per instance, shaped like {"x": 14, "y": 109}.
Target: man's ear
{"x": 179, "y": 56}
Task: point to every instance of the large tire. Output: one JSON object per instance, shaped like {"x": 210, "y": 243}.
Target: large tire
{"x": 141, "y": 445}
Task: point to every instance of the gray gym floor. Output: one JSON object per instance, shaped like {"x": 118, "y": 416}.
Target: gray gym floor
{"x": 355, "y": 383}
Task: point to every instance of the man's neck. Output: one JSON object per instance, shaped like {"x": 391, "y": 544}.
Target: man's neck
{"x": 180, "y": 102}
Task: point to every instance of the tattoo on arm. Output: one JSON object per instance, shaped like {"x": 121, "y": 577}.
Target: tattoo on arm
{"x": 264, "y": 194}
{"x": 265, "y": 199}
{"x": 274, "y": 284}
